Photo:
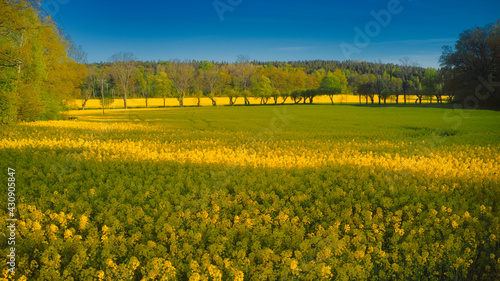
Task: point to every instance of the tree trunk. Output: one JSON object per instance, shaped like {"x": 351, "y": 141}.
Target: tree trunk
{"x": 164, "y": 102}
{"x": 125, "y": 100}
{"x": 331, "y": 98}
{"x": 284, "y": 100}
{"x": 397, "y": 99}
{"x": 378, "y": 99}
{"x": 146, "y": 101}
{"x": 181, "y": 100}
{"x": 83, "y": 104}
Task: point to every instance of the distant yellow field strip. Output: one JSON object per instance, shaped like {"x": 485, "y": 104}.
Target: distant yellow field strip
{"x": 158, "y": 102}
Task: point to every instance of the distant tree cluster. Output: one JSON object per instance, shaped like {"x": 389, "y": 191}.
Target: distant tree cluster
{"x": 38, "y": 69}
{"x": 272, "y": 82}
{"x": 468, "y": 76}
{"x": 472, "y": 69}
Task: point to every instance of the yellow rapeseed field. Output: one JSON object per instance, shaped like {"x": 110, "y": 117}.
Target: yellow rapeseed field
{"x": 296, "y": 192}
{"x": 159, "y": 102}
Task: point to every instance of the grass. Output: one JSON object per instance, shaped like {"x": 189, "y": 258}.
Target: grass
{"x": 308, "y": 121}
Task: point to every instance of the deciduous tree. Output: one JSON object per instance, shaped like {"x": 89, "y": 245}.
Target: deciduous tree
{"x": 210, "y": 81}
{"x": 365, "y": 88}
{"x": 432, "y": 85}
{"x": 123, "y": 70}
{"x": 333, "y": 84}
{"x": 473, "y": 67}
{"x": 182, "y": 74}
{"x": 407, "y": 69}
{"x": 37, "y": 75}
{"x": 163, "y": 86}
{"x": 262, "y": 89}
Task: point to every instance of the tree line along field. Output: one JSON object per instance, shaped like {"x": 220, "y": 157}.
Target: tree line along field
{"x": 257, "y": 193}
{"x": 220, "y": 101}
{"x": 38, "y": 79}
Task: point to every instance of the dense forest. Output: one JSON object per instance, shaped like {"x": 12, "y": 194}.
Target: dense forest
{"x": 41, "y": 69}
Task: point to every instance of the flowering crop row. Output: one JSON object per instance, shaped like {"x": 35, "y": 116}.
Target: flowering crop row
{"x": 163, "y": 200}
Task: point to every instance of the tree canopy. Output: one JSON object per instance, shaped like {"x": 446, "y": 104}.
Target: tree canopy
{"x": 37, "y": 73}
{"x": 472, "y": 67}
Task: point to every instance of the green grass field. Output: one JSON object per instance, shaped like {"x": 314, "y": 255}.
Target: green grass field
{"x": 295, "y": 192}
{"x": 333, "y": 122}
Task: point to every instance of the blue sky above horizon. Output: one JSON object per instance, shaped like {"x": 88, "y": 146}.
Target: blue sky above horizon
{"x": 275, "y": 30}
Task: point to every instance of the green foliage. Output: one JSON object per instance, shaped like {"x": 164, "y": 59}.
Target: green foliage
{"x": 333, "y": 84}
{"x": 262, "y": 89}
{"x": 432, "y": 83}
{"x": 107, "y": 101}
{"x": 309, "y": 95}
{"x": 37, "y": 75}
{"x": 474, "y": 60}
{"x": 366, "y": 86}
{"x": 232, "y": 94}
{"x": 163, "y": 86}
{"x": 8, "y": 112}
{"x": 287, "y": 80}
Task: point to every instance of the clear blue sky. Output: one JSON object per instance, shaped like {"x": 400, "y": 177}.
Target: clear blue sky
{"x": 271, "y": 29}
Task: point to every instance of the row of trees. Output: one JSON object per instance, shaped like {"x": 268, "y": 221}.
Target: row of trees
{"x": 37, "y": 70}
{"x": 40, "y": 70}
{"x": 271, "y": 82}
{"x": 468, "y": 76}
{"x": 386, "y": 85}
